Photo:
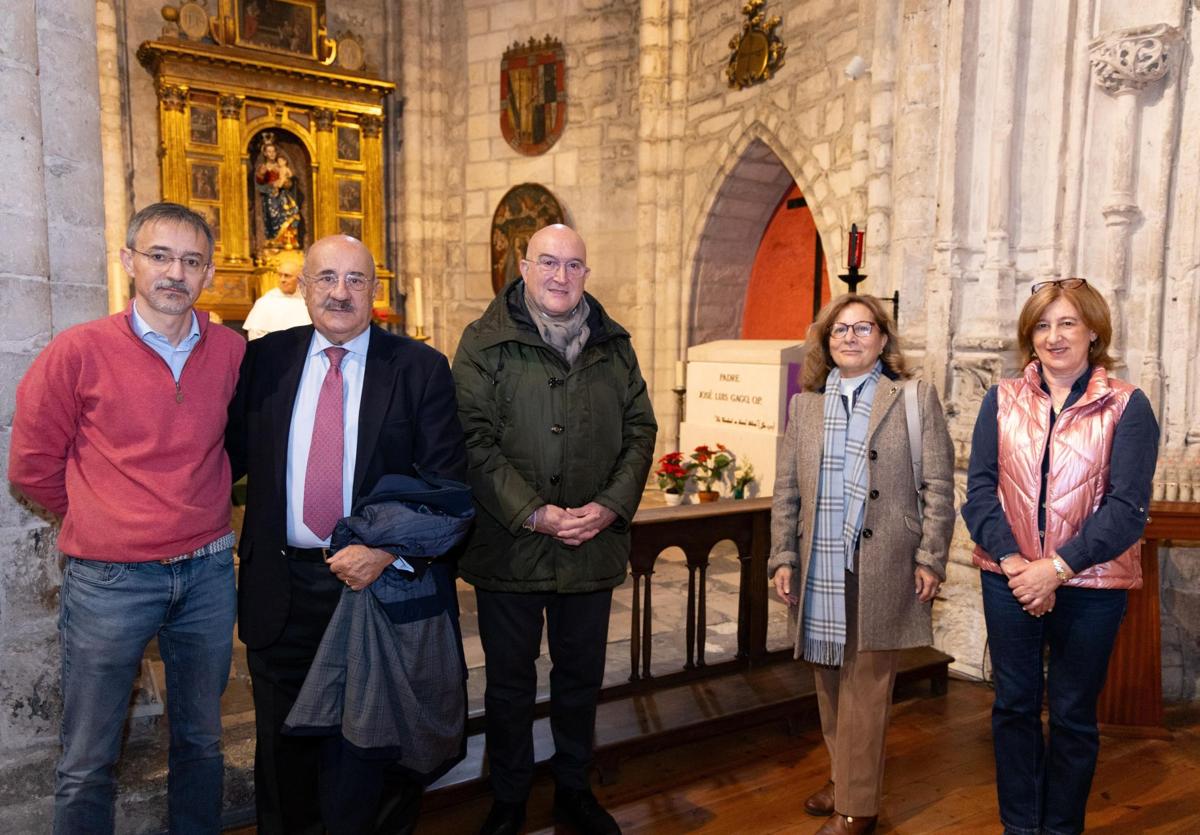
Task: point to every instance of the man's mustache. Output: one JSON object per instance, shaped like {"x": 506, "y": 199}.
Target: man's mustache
{"x": 338, "y": 305}
{"x": 168, "y": 284}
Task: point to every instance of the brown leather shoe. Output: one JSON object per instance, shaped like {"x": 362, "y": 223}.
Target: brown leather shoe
{"x": 820, "y": 805}
{"x": 848, "y": 825}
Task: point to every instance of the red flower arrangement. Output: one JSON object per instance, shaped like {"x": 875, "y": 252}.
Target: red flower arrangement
{"x": 710, "y": 464}
{"x": 673, "y": 472}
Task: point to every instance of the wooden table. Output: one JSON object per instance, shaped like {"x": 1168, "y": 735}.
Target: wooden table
{"x": 1131, "y": 702}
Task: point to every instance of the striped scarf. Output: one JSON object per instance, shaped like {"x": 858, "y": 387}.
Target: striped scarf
{"x": 841, "y": 498}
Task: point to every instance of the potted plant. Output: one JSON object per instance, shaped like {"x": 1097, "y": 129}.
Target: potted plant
{"x": 743, "y": 478}
{"x": 710, "y": 468}
{"x": 673, "y": 473}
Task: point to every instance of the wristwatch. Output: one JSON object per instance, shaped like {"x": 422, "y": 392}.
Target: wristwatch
{"x": 1059, "y": 568}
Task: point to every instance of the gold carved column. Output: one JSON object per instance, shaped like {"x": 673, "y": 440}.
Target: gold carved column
{"x": 325, "y": 211}
{"x": 173, "y": 126}
{"x": 235, "y": 242}
{"x": 372, "y": 152}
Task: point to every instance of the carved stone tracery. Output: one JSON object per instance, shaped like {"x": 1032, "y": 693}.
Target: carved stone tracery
{"x": 1129, "y": 60}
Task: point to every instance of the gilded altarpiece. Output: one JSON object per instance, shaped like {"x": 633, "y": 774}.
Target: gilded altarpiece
{"x": 275, "y": 150}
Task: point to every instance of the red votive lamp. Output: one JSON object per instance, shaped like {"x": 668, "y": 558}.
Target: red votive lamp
{"x": 854, "y": 251}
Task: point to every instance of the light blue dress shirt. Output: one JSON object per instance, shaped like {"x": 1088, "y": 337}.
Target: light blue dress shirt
{"x": 175, "y": 356}
{"x": 304, "y": 413}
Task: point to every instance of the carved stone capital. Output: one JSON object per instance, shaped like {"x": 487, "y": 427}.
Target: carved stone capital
{"x": 231, "y": 106}
{"x": 1129, "y": 60}
{"x": 172, "y": 96}
{"x": 371, "y": 124}
{"x": 323, "y": 117}
{"x": 1120, "y": 214}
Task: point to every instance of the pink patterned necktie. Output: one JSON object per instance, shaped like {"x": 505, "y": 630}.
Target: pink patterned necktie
{"x": 323, "y": 477}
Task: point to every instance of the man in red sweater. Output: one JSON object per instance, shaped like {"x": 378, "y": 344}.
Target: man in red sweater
{"x": 119, "y": 430}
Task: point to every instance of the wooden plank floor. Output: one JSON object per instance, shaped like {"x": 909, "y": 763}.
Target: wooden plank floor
{"x": 939, "y": 779}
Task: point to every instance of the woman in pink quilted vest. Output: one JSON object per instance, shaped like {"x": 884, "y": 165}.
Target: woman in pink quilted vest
{"x": 1058, "y": 492}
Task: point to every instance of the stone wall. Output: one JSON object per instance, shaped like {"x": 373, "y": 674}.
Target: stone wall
{"x": 52, "y": 275}
{"x": 591, "y": 170}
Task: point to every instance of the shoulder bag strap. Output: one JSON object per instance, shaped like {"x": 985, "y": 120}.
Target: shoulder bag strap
{"x": 912, "y": 413}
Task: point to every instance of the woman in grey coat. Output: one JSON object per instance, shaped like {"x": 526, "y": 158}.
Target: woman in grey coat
{"x": 855, "y": 552}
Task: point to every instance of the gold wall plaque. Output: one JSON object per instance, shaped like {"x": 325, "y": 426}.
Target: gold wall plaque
{"x": 757, "y": 51}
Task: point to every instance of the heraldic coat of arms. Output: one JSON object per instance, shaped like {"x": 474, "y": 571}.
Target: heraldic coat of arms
{"x": 533, "y": 95}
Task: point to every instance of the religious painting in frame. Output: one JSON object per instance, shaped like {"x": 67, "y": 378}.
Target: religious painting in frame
{"x": 202, "y": 122}
{"x": 286, "y": 26}
{"x": 349, "y": 195}
{"x": 205, "y": 181}
{"x": 347, "y": 143}
{"x": 383, "y": 293}
{"x": 523, "y": 210}
{"x": 212, "y": 214}
{"x": 352, "y": 226}
{"x": 533, "y": 95}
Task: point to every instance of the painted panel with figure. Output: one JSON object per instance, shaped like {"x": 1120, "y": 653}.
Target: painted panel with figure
{"x": 288, "y": 26}
{"x": 203, "y": 124}
{"x": 347, "y": 143}
{"x": 523, "y": 210}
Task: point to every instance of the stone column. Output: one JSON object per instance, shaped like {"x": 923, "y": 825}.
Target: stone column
{"x": 1124, "y": 63}
{"x": 113, "y": 140}
{"x": 52, "y": 275}
{"x": 662, "y": 83}
{"x": 235, "y": 244}
{"x": 431, "y": 172}
{"x": 946, "y": 266}
{"x": 994, "y": 299}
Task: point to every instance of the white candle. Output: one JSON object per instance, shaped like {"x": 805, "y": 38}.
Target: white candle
{"x": 418, "y": 304}
{"x": 680, "y": 377}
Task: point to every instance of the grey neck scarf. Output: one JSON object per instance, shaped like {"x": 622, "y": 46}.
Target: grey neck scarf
{"x": 567, "y": 333}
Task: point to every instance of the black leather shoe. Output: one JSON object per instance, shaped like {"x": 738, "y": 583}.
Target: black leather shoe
{"x": 504, "y": 819}
{"x": 579, "y": 809}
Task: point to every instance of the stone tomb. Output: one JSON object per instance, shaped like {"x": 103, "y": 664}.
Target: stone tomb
{"x": 737, "y": 395}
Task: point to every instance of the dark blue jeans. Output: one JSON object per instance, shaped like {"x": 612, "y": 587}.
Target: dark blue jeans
{"x": 1043, "y": 785}
{"x": 108, "y": 613}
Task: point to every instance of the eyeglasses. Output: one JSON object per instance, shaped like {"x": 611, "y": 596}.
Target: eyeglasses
{"x": 355, "y": 282}
{"x": 550, "y": 266}
{"x": 161, "y": 261}
{"x": 1064, "y": 283}
{"x": 861, "y": 329}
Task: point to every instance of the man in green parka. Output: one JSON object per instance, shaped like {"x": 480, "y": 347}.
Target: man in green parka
{"x": 560, "y": 436}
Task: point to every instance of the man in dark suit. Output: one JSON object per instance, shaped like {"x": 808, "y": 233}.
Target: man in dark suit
{"x": 320, "y": 414}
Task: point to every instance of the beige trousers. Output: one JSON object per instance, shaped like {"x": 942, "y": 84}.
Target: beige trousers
{"x": 855, "y": 701}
